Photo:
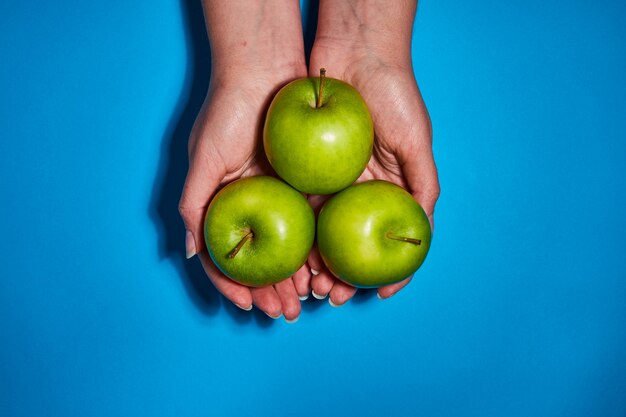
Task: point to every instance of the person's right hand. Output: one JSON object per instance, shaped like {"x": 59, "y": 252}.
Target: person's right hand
{"x": 256, "y": 48}
{"x": 225, "y": 145}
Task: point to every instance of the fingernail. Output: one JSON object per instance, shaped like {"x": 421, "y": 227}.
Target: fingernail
{"x": 244, "y": 308}
{"x": 319, "y": 297}
{"x": 190, "y": 244}
{"x": 333, "y": 304}
{"x": 292, "y": 321}
{"x": 303, "y": 297}
{"x": 380, "y": 297}
{"x": 272, "y": 317}
{"x": 314, "y": 271}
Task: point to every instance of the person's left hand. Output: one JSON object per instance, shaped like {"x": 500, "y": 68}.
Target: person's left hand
{"x": 402, "y": 145}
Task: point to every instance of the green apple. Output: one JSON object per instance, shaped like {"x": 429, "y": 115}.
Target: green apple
{"x": 318, "y": 134}
{"x": 259, "y": 230}
{"x": 373, "y": 234}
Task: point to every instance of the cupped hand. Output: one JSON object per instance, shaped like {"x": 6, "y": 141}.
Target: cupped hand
{"x": 402, "y": 150}
{"x": 225, "y": 145}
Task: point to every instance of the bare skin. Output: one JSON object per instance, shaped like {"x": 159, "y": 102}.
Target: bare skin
{"x": 367, "y": 43}
{"x": 257, "y": 47}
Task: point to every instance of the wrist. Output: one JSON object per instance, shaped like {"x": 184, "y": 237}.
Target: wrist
{"x": 254, "y": 38}
{"x": 231, "y": 71}
{"x": 365, "y": 30}
{"x": 339, "y": 59}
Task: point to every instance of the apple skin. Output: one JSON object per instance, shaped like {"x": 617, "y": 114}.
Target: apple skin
{"x": 281, "y": 220}
{"x": 352, "y": 230}
{"x": 318, "y": 150}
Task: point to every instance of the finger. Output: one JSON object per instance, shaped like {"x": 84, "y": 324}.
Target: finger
{"x": 238, "y": 294}
{"x": 289, "y": 300}
{"x": 340, "y": 293}
{"x": 317, "y": 201}
{"x": 302, "y": 282}
{"x": 203, "y": 178}
{"x": 266, "y": 299}
{"x": 315, "y": 261}
{"x": 389, "y": 290}
{"x": 321, "y": 284}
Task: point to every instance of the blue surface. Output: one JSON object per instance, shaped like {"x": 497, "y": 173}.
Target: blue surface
{"x": 520, "y": 309}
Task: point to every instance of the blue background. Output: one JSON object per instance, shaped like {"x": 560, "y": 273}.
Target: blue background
{"x": 520, "y": 309}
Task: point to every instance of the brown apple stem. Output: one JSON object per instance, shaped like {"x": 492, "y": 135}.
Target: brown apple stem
{"x": 322, "y": 78}
{"x": 242, "y": 242}
{"x": 403, "y": 239}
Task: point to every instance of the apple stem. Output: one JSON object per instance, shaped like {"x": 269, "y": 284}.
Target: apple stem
{"x": 403, "y": 239}
{"x": 242, "y": 242}
{"x": 322, "y": 78}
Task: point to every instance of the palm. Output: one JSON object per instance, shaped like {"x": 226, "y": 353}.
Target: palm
{"x": 400, "y": 118}
{"x": 227, "y": 133}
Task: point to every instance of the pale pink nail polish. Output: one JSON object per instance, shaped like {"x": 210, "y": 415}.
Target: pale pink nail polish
{"x": 318, "y": 296}
{"x": 190, "y": 244}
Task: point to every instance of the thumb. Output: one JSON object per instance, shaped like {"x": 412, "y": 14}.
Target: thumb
{"x": 203, "y": 178}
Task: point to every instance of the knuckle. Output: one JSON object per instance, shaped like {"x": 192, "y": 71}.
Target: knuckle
{"x": 429, "y": 195}
{"x": 434, "y": 192}
{"x": 185, "y": 212}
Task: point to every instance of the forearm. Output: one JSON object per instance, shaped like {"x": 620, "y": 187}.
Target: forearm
{"x": 254, "y": 36}
{"x": 376, "y": 27}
